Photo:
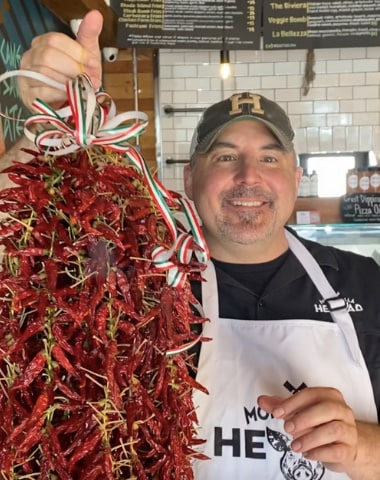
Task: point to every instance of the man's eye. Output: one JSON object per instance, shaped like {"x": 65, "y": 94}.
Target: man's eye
{"x": 270, "y": 160}
{"x": 226, "y": 158}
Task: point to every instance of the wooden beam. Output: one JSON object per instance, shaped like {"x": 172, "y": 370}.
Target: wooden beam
{"x": 68, "y": 9}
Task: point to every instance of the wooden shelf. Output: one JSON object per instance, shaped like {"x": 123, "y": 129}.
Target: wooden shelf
{"x": 327, "y": 207}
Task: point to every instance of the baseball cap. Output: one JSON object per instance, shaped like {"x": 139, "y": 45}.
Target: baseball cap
{"x": 241, "y": 106}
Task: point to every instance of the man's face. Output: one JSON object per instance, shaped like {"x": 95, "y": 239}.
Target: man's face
{"x": 244, "y": 188}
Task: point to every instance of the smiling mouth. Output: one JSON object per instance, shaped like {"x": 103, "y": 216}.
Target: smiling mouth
{"x": 247, "y": 203}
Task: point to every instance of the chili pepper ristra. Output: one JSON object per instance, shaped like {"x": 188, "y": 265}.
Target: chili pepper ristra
{"x": 95, "y": 310}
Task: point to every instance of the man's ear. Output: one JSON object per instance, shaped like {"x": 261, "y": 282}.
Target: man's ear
{"x": 299, "y": 172}
{"x": 188, "y": 181}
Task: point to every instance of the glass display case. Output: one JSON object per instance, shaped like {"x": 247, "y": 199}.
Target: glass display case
{"x": 363, "y": 238}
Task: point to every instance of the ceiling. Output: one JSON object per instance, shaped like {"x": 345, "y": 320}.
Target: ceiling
{"x": 69, "y": 9}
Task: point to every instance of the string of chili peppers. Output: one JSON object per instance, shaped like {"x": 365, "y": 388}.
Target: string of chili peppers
{"x": 95, "y": 323}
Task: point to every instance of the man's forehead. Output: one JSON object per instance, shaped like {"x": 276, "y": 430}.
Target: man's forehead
{"x": 243, "y": 127}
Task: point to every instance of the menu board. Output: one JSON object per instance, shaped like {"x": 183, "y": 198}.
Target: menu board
{"x": 239, "y": 24}
{"x": 360, "y": 207}
{"x": 213, "y": 24}
{"x": 321, "y": 24}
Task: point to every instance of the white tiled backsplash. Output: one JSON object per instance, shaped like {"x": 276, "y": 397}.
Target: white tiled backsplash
{"x": 340, "y": 113}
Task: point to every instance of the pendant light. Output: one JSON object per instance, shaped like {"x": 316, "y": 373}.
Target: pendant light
{"x": 225, "y": 66}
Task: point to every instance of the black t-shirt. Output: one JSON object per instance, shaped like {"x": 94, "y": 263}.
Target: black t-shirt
{"x": 254, "y": 277}
{"x": 283, "y": 290}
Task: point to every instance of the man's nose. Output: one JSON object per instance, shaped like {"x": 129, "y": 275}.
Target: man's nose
{"x": 247, "y": 171}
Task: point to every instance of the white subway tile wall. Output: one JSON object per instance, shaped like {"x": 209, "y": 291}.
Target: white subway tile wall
{"x": 341, "y": 112}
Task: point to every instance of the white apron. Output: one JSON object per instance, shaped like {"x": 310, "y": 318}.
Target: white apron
{"x": 248, "y": 358}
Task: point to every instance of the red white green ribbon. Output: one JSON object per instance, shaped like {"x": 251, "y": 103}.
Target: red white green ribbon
{"x": 184, "y": 243}
{"x": 89, "y": 119}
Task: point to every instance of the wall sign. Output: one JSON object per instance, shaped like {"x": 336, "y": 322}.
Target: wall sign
{"x": 360, "y": 207}
{"x": 189, "y": 23}
{"x": 321, "y": 24}
{"x": 282, "y": 24}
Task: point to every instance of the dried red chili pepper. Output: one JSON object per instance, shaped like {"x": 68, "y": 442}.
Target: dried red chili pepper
{"x": 82, "y": 450}
{"x": 60, "y": 356}
{"x": 25, "y": 435}
{"x": 33, "y": 369}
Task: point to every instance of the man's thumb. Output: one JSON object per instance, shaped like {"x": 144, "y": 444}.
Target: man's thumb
{"x": 89, "y": 31}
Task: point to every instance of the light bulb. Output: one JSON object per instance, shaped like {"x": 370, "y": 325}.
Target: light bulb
{"x": 225, "y": 66}
{"x": 225, "y": 70}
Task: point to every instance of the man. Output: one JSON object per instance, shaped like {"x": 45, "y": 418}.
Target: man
{"x": 243, "y": 178}
{"x": 294, "y": 380}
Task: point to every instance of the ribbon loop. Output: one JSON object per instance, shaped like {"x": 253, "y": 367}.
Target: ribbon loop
{"x": 86, "y": 122}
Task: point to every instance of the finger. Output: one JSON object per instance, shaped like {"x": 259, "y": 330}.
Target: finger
{"x": 49, "y": 59}
{"x": 314, "y": 415}
{"x": 335, "y": 457}
{"x": 55, "y": 42}
{"x": 89, "y": 31}
{"x": 269, "y": 402}
{"x": 331, "y": 433}
{"x": 306, "y": 399}
{"x": 88, "y": 39}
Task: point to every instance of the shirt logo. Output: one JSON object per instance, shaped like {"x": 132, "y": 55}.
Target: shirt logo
{"x": 293, "y": 465}
{"x": 351, "y": 306}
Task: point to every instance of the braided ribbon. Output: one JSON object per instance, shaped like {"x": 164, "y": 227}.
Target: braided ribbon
{"x": 89, "y": 119}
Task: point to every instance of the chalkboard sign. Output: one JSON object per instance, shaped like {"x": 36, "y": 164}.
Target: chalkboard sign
{"x": 321, "y": 24}
{"x": 212, "y": 24}
{"x": 239, "y": 24}
{"x": 360, "y": 207}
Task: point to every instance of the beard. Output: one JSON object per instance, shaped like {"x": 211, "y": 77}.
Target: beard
{"x": 247, "y": 225}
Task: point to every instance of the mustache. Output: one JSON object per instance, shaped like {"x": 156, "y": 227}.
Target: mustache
{"x": 242, "y": 191}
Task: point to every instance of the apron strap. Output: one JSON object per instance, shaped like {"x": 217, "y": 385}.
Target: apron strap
{"x": 336, "y": 304}
{"x": 210, "y": 294}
